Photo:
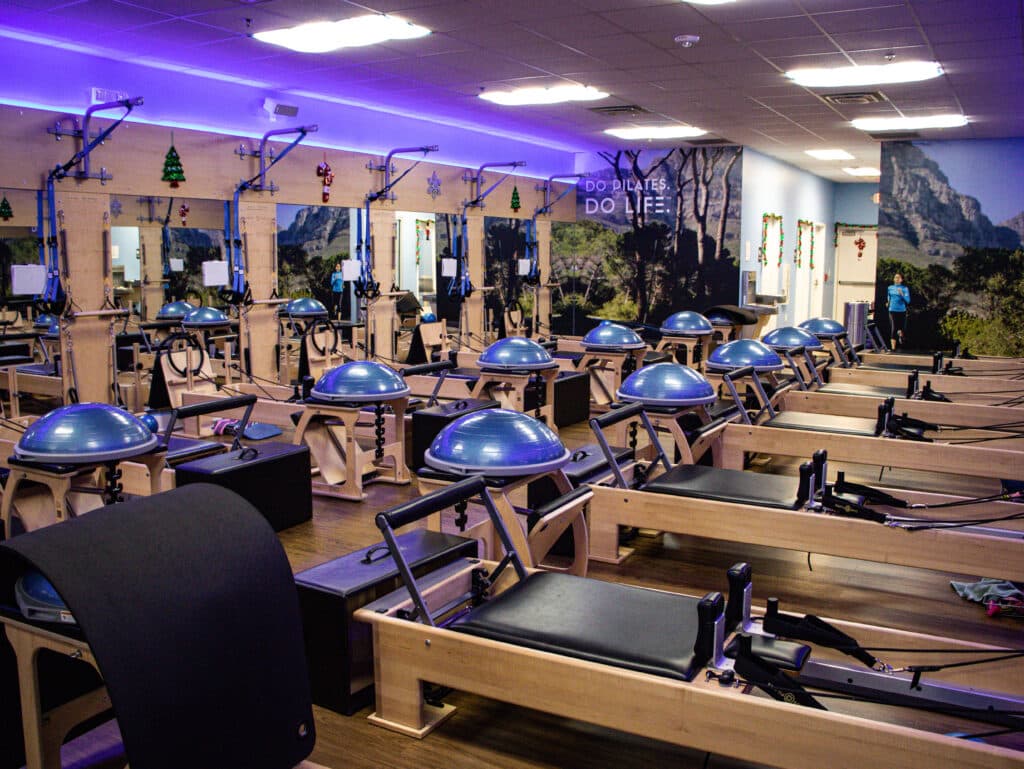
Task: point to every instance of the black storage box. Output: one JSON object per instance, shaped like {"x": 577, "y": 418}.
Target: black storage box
{"x": 339, "y": 649}
{"x": 427, "y": 423}
{"x": 274, "y": 478}
{"x": 572, "y": 398}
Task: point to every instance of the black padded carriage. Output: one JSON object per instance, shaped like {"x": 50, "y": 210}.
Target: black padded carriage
{"x": 824, "y": 423}
{"x": 635, "y": 628}
{"x": 736, "y": 486}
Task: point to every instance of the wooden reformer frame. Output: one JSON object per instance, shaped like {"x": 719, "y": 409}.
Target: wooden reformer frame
{"x": 699, "y": 714}
{"x": 339, "y": 454}
{"x": 533, "y": 545}
{"x": 961, "y": 551}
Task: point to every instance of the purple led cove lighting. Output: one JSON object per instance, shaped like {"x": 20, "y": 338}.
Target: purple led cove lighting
{"x": 52, "y": 79}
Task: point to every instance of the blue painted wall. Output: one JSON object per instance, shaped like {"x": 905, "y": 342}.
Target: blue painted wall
{"x": 853, "y": 203}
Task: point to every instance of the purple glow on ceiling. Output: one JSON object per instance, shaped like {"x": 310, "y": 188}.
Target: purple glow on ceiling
{"x": 50, "y": 76}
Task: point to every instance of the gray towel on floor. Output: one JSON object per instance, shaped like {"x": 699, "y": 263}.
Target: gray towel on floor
{"x": 988, "y": 589}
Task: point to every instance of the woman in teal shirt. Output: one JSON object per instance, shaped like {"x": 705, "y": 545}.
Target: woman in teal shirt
{"x": 337, "y": 290}
{"x": 899, "y": 301}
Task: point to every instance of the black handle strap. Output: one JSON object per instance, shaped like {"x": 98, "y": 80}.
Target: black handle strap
{"x": 418, "y": 509}
{"x": 382, "y": 548}
{"x": 615, "y": 416}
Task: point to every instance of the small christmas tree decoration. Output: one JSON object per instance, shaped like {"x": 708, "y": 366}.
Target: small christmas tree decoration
{"x": 516, "y": 205}
{"x": 173, "y": 172}
{"x": 183, "y": 213}
{"x": 5, "y": 209}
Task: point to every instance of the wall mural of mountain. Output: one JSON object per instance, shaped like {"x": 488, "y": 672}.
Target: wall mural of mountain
{"x": 951, "y": 221}
{"x": 310, "y": 241}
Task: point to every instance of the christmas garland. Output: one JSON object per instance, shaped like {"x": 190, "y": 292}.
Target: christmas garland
{"x": 762, "y": 251}
{"x": 798, "y": 251}
{"x": 421, "y": 226}
{"x": 842, "y": 225}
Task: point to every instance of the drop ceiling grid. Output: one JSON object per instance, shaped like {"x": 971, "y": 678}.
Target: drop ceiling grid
{"x": 624, "y": 46}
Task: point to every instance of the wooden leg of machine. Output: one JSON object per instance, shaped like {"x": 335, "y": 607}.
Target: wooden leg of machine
{"x": 399, "y": 693}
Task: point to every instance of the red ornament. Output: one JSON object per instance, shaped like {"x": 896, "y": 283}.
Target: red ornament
{"x": 183, "y": 213}
{"x": 324, "y": 172}
{"x": 861, "y": 244}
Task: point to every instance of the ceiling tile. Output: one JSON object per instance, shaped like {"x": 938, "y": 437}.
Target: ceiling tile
{"x": 881, "y": 38}
{"x": 886, "y": 17}
{"x": 774, "y": 29}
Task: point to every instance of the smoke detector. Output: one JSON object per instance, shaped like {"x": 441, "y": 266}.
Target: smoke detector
{"x": 687, "y": 41}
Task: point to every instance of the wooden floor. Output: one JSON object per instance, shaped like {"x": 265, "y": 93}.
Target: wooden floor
{"x": 486, "y": 733}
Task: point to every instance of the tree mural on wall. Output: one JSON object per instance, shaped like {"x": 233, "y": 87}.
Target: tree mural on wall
{"x": 664, "y": 221}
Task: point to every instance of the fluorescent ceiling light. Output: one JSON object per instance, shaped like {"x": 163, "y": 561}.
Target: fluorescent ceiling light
{"x": 909, "y": 123}
{"x": 657, "y": 132}
{"x": 708, "y": 2}
{"x": 863, "y": 171}
{"x": 556, "y": 94}
{"x": 829, "y": 154}
{"x": 869, "y": 74}
{"x": 325, "y": 36}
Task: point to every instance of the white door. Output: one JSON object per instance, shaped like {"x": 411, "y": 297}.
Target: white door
{"x": 816, "y": 276}
{"x": 856, "y": 257}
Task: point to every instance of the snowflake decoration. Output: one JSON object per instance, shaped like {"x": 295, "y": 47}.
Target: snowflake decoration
{"x": 115, "y": 208}
{"x": 434, "y": 185}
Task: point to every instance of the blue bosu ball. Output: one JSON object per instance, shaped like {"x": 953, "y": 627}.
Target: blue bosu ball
{"x": 53, "y": 332}
{"x": 38, "y": 600}
{"x": 360, "y": 382}
{"x": 720, "y": 318}
{"x": 44, "y": 321}
{"x": 205, "y": 317}
{"x": 667, "y": 384}
{"x": 496, "y": 443}
{"x": 612, "y": 336}
{"x": 788, "y": 337}
{"x": 516, "y": 352}
{"x": 85, "y": 432}
{"x": 686, "y": 324}
{"x": 175, "y": 311}
{"x": 823, "y": 327}
{"x": 744, "y": 352}
{"x": 305, "y": 307}
{"x": 428, "y": 317}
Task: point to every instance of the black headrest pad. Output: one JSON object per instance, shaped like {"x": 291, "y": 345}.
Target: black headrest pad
{"x": 189, "y": 605}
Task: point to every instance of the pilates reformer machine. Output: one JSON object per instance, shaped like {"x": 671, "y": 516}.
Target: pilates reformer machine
{"x": 514, "y": 453}
{"x": 708, "y": 673}
{"x": 848, "y": 369}
{"x": 609, "y": 353}
{"x": 945, "y": 532}
{"x": 961, "y": 358}
{"x": 79, "y": 457}
{"x": 304, "y": 324}
{"x": 516, "y": 372}
{"x": 924, "y": 414}
{"x": 768, "y": 403}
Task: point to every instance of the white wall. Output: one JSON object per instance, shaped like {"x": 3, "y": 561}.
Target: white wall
{"x": 771, "y": 186}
